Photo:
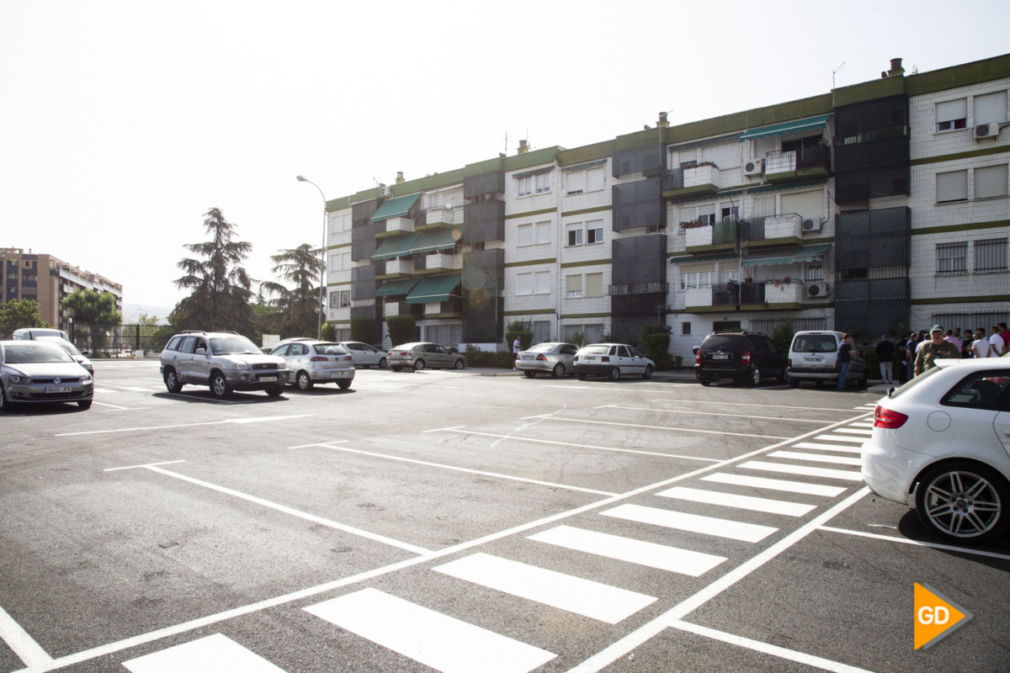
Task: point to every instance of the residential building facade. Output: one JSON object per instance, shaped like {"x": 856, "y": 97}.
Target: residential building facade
{"x": 47, "y": 280}
{"x": 875, "y": 208}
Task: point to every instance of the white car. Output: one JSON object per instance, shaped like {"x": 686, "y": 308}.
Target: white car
{"x": 612, "y": 361}
{"x": 365, "y": 355}
{"x": 941, "y": 443}
{"x": 310, "y": 362}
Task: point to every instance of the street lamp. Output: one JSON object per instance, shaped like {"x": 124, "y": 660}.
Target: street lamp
{"x": 322, "y": 254}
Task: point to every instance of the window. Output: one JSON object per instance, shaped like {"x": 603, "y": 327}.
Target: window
{"x": 594, "y": 284}
{"x": 695, "y": 279}
{"x": 524, "y": 283}
{"x": 595, "y": 179}
{"x": 951, "y": 186}
{"x": 706, "y": 219}
{"x": 524, "y": 185}
{"x": 990, "y": 108}
{"x": 542, "y": 182}
{"x": 542, "y": 282}
{"x": 990, "y": 182}
{"x": 525, "y": 235}
{"x": 339, "y": 261}
{"x": 575, "y": 235}
{"x": 541, "y": 331}
{"x": 340, "y": 298}
{"x": 729, "y": 213}
{"x": 951, "y": 258}
{"x": 952, "y": 115}
{"x": 340, "y": 222}
{"x": 542, "y": 233}
{"x": 814, "y": 272}
{"x": 594, "y": 232}
{"x": 685, "y": 328}
{"x": 990, "y": 255}
{"x": 576, "y": 182}
{"x": 573, "y": 286}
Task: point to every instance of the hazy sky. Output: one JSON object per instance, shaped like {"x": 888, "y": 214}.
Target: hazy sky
{"x": 121, "y": 123}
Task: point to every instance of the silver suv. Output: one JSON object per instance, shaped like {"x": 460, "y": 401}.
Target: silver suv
{"x": 225, "y": 361}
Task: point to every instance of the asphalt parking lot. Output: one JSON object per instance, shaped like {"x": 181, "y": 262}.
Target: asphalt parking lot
{"x": 454, "y": 521}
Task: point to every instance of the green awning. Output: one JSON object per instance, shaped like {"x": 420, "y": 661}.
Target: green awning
{"x": 431, "y": 241}
{"x": 397, "y": 207}
{"x": 394, "y": 247}
{"x": 393, "y": 288}
{"x": 808, "y": 124}
{"x": 434, "y": 289}
{"x": 808, "y": 253}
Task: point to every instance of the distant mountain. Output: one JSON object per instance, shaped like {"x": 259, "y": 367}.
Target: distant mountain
{"x": 132, "y": 312}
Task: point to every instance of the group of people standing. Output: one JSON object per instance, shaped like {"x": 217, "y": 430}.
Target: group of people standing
{"x": 919, "y": 351}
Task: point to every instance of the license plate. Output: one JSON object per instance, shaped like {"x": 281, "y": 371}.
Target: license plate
{"x": 267, "y": 379}
{"x": 720, "y": 356}
{"x": 58, "y": 389}
{"x": 527, "y": 357}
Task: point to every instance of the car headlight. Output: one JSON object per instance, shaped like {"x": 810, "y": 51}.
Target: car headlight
{"x": 14, "y": 378}
{"x": 86, "y": 380}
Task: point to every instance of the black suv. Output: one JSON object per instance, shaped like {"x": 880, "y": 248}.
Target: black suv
{"x": 748, "y": 358}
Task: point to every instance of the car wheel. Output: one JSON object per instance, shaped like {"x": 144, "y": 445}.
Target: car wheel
{"x": 529, "y": 374}
{"x": 647, "y": 374}
{"x": 382, "y": 363}
{"x": 84, "y": 404}
{"x": 344, "y": 385}
{"x": 3, "y": 399}
{"x": 172, "y": 382}
{"x": 705, "y": 382}
{"x": 615, "y": 373}
{"x": 418, "y": 365}
{"x": 558, "y": 371}
{"x": 459, "y": 364}
{"x": 275, "y": 391}
{"x": 219, "y": 385}
{"x": 303, "y": 381}
{"x": 963, "y": 501}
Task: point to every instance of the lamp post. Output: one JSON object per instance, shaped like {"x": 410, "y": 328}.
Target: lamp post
{"x": 322, "y": 255}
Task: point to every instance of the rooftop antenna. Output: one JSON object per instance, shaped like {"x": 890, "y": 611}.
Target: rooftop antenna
{"x": 834, "y": 72}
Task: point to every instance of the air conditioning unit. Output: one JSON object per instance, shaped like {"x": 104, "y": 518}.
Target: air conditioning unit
{"x": 817, "y": 290}
{"x": 811, "y": 226}
{"x": 986, "y": 131}
{"x": 754, "y": 167}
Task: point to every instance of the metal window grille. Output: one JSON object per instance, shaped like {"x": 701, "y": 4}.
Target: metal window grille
{"x": 990, "y": 255}
{"x": 951, "y": 258}
{"x": 967, "y": 320}
{"x": 798, "y": 324}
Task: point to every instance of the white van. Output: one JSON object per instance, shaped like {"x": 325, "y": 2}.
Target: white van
{"x": 813, "y": 356}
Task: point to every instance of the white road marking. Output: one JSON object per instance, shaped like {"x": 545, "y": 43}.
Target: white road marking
{"x": 134, "y": 467}
{"x": 429, "y": 637}
{"x": 862, "y": 424}
{"x": 775, "y": 484}
{"x": 766, "y": 648}
{"x": 720, "y": 403}
{"x": 714, "y": 413}
{"x": 257, "y": 419}
{"x": 110, "y": 406}
{"x": 815, "y": 457}
{"x": 840, "y": 438}
{"x": 918, "y": 543}
{"x": 723, "y": 499}
{"x": 214, "y": 654}
{"x": 706, "y": 525}
{"x": 664, "y": 428}
{"x": 580, "y": 596}
{"x": 553, "y": 442}
{"x": 786, "y": 468}
{"x": 863, "y": 432}
{"x": 23, "y": 645}
{"x": 837, "y": 448}
{"x": 630, "y": 550}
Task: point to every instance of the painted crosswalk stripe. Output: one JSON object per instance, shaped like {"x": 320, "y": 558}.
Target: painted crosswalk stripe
{"x": 815, "y": 457}
{"x": 707, "y": 525}
{"x": 787, "y": 468}
{"x": 214, "y": 654}
{"x": 566, "y": 592}
{"x": 841, "y": 438}
{"x": 783, "y": 485}
{"x": 862, "y": 424}
{"x": 650, "y": 554}
{"x": 865, "y": 432}
{"x": 747, "y": 502}
{"x": 442, "y": 642}
{"x": 820, "y": 446}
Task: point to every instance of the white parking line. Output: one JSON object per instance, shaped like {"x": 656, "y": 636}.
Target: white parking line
{"x": 784, "y": 485}
{"x": 724, "y": 499}
{"x": 840, "y": 438}
{"x": 23, "y": 645}
{"x": 715, "y": 413}
{"x": 216, "y": 653}
{"x": 664, "y": 428}
{"x": 786, "y": 468}
{"x": 815, "y": 457}
{"x": 706, "y": 525}
{"x": 918, "y": 543}
{"x": 577, "y": 595}
{"x": 837, "y": 448}
{"x": 750, "y": 404}
{"x": 257, "y": 419}
{"x": 854, "y": 431}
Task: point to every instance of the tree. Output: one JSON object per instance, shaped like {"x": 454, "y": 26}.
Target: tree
{"x": 18, "y": 313}
{"x": 94, "y": 311}
{"x": 299, "y": 307}
{"x": 220, "y": 287}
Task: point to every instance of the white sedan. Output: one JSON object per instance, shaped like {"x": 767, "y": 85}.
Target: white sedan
{"x": 941, "y": 443}
{"x": 365, "y": 355}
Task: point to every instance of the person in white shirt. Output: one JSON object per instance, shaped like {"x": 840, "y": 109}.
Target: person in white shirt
{"x": 980, "y": 346}
{"x": 996, "y": 342}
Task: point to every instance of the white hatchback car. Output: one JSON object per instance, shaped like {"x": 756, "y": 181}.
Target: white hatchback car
{"x": 941, "y": 443}
{"x": 311, "y": 362}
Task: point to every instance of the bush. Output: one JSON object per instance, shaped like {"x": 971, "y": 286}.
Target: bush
{"x": 478, "y": 358}
{"x": 522, "y": 331}
{"x": 363, "y": 329}
{"x": 782, "y": 336}
{"x": 402, "y": 329}
{"x": 656, "y": 344}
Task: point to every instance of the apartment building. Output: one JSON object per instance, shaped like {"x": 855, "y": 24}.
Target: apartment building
{"x": 873, "y": 208}
{"x": 47, "y": 280}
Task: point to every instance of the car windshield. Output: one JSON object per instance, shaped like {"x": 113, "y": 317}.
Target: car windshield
{"x": 65, "y": 345}
{"x": 724, "y": 341}
{"x": 233, "y": 345}
{"x": 596, "y": 350}
{"x": 542, "y": 348}
{"x": 815, "y": 343}
{"x": 911, "y": 383}
{"x": 330, "y": 349}
{"x": 34, "y": 353}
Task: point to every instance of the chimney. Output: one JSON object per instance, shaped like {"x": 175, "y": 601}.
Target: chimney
{"x": 524, "y": 147}
{"x": 663, "y": 122}
{"x": 399, "y": 177}
{"x": 895, "y": 71}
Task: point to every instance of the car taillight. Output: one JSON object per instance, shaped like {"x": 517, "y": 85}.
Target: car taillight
{"x": 319, "y": 358}
{"x": 745, "y": 358}
{"x": 789, "y": 363}
{"x": 697, "y": 359}
{"x": 348, "y": 358}
{"x": 605, "y": 358}
{"x": 887, "y": 419}
{"x": 542, "y": 358}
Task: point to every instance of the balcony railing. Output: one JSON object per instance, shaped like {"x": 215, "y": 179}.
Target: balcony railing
{"x": 442, "y": 216}
{"x": 441, "y": 262}
{"x": 399, "y": 266}
{"x": 399, "y": 225}
{"x": 804, "y": 162}
{"x": 637, "y": 288}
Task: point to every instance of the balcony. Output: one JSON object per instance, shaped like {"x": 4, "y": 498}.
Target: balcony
{"x": 398, "y": 225}
{"x": 442, "y": 262}
{"x": 791, "y": 294}
{"x": 724, "y": 296}
{"x": 802, "y": 164}
{"x": 785, "y": 228}
{"x": 692, "y": 181}
{"x": 392, "y": 309}
{"x": 401, "y": 266}
{"x": 720, "y": 236}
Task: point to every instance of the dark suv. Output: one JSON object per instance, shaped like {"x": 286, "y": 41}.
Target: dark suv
{"x": 748, "y": 358}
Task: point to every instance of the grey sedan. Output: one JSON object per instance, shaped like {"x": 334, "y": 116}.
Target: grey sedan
{"x": 365, "y": 355}
{"x": 34, "y": 372}
{"x": 421, "y": 354}
{"x": 550, "y": 357}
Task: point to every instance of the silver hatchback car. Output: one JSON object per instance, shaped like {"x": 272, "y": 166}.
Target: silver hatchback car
{"x": 550, "y": 357}
{"x": 310, "y": 362}
{"x": 32, "y": 372}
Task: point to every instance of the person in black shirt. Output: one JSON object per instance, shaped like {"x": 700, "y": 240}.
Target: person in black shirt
{"x": 844, "y": 360}
{"x": 885, "y": 355}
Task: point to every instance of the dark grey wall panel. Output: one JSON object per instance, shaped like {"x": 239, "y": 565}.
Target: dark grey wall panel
{"x": 485, "y": 221}
{"x": 638, "y": 260}
{"x": 637, "y": 205}
{"x": 483, "y": 304}
{"x": 476, "y": 186}
{"x": 362, "y": 282}
{"x": 648, "y": 160}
